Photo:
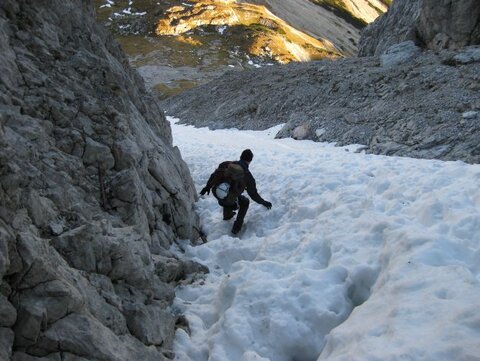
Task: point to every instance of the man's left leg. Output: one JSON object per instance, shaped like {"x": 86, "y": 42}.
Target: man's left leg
{"x": 229, "y": 208}
{"x": 228, "y": 213}
{"x": 243, "y": 203}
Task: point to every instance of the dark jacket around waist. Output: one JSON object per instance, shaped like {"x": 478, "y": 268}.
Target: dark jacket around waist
{"x": 250, "y": 183}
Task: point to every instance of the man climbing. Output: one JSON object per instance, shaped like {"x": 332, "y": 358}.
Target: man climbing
{"x": 228, "y": 182}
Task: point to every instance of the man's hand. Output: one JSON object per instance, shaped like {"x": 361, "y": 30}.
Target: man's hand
{"x": 205, "y": 190}
{"x": 267, "y": 205}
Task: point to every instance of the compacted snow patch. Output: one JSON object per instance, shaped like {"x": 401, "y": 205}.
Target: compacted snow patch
{"x": 362, "y": 257}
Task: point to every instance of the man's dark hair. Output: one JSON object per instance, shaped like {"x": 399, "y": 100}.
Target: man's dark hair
{"x": 247, "y": 155}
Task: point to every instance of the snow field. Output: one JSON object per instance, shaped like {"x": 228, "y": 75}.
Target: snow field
{"x": 362, "y": 257}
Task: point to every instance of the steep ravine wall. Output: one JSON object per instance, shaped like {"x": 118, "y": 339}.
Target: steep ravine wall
{"x": 92, "y": 194}
{"x": 432, "y": 24}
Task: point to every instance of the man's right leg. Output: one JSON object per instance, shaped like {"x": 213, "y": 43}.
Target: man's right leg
{"x": 243, "y": 202}
{"x": 229, "y": 209}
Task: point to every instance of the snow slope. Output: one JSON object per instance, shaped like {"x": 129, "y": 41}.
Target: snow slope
{"x": 362, "y": 257}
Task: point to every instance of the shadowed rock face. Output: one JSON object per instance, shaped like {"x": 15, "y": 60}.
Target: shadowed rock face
{"x": 92, "y": 193}
{"x": 432, "y": 24}
{"x": 449, "y": 24}
{"x": 394, "y": 27}
{"x": 270, "y": 37}
{"x": 405, "y": 103}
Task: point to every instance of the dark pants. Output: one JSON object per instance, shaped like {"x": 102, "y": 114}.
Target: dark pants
{"x": 241, "y": 204}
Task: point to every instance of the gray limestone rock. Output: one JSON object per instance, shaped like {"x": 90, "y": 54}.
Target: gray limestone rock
{"x": 6, "y": 343}
{"x": 41, "y": 209}
{"x": 399, "y": 53}
{"x": 103, "y": 303}
{"x": 467, "y": 56}
{"x": 470, "y": 115}
{"x": 395, "y": 26}
{"x": 22, "y": 356}
{"x": 150, "y": 324}
{"x": 32, "y": 319}
{"x": 90, "y": 187}
{"x": 8, "y": 313}
{"x": 86, "y": 248}
{"x": 83, "y": 336}
{"x": 5, "y": 237}
{"x": 170, "y": 269}
{"x": 431, "y": 24}
{"x": 449, "y": 24}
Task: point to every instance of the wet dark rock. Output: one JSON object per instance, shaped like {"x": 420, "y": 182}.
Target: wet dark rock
{"x": 87, "y": 173}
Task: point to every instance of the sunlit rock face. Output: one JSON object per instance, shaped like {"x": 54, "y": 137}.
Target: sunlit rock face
{"x": 265, "y": 34}
{"x": 365, "y": 11}
{"x": 448, "y": 24}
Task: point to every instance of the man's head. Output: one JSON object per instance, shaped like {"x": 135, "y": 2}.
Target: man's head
{"x": 247, "y": 155}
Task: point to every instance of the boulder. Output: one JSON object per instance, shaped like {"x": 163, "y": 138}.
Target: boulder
{"x": 301, "y": 131}
{"x": 41, "y": 209}
{"x": 399, "y": 53}
{"x": 392, "y": 104}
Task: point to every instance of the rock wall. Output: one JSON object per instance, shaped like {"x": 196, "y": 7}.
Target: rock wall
{"x": 432, "y": 24}
{"x": 395, "y": 26}
{"x": 92, "y": 194}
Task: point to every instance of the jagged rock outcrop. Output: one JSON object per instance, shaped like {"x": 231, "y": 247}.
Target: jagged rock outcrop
{"x": 433, "y": 24}
{"x": 92, "y": 194}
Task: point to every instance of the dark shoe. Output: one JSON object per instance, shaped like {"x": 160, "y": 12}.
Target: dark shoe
{"x": 236, "y": 228}
{"x": 226, "y": 218}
